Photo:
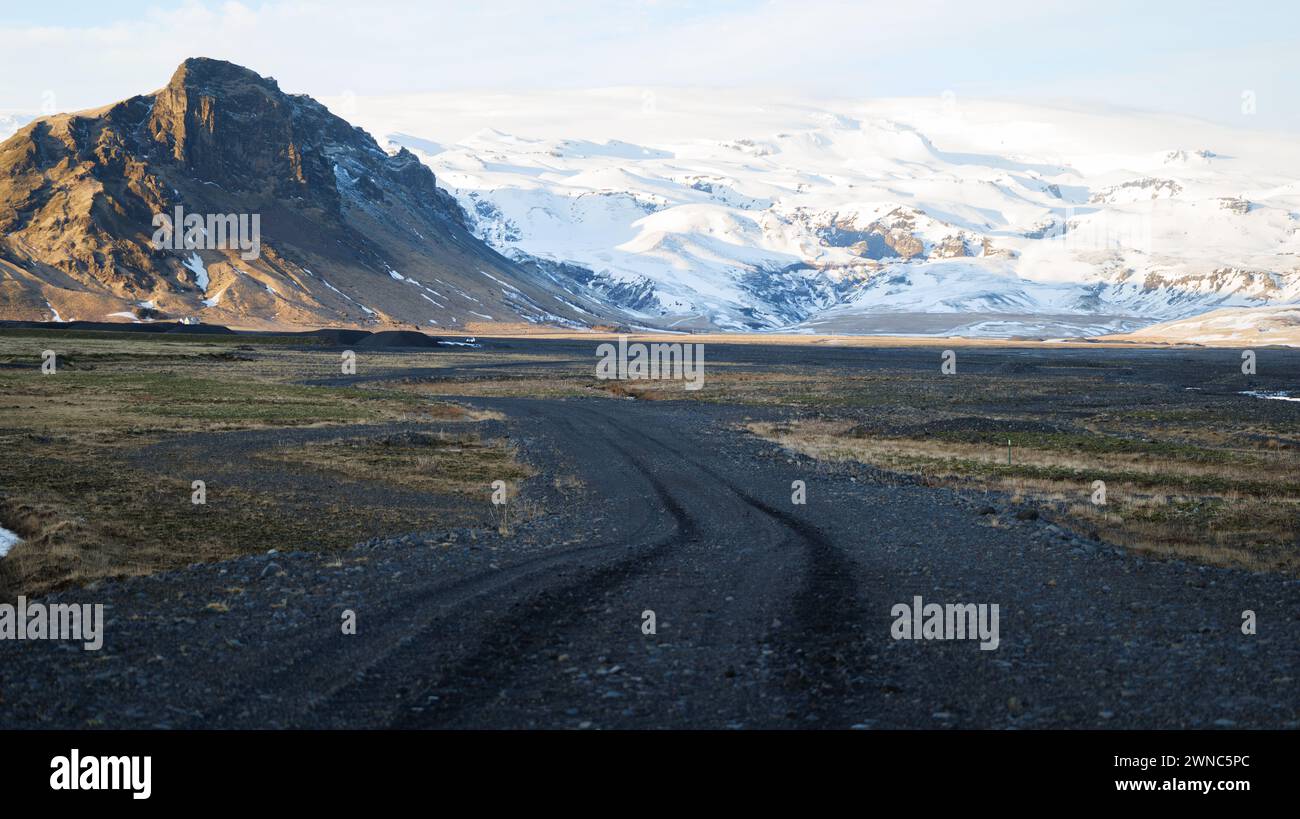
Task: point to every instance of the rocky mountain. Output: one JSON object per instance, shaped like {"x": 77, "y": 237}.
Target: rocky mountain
{"x": 732, "y": 210}
{"x": 269, "y": 210}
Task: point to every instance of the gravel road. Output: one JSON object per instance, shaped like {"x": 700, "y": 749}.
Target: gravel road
{"x": 768, "y": 614}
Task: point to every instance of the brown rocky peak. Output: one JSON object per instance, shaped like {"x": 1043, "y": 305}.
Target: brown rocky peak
{"x": 206, "y": 75}
{"x": 224, "y": 122}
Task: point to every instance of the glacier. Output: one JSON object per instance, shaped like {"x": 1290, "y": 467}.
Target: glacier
{"x": 736, "y": 210}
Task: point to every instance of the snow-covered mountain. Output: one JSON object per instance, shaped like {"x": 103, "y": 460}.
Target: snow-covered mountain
{"x": 738, "y": 211}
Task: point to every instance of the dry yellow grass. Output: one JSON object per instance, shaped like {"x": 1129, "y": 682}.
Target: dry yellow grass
{"x": 457, "y": 462}
{"x": 86, "y": 511}
{"x": 1238, "y": 509}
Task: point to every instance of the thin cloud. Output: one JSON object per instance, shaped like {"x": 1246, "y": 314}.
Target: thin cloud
{"x": 1016, "y": 48}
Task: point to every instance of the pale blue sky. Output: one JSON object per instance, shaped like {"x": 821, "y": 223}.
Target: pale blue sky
{"x": 1193, "y": 57}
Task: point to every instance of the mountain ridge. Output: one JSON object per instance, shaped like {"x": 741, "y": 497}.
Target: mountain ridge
{"x": 886, "y": 217}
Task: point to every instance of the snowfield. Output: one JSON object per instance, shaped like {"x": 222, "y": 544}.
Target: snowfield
{"x": 737, "y": 211}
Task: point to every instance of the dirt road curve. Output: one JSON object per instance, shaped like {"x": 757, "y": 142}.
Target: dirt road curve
{"x": 768, "y": 613}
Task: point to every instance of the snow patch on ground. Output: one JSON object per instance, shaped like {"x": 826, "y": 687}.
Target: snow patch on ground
{"x": 1281, "y": 395}
{"x": 195, "y": 264}
{"x": 8, "y": 540}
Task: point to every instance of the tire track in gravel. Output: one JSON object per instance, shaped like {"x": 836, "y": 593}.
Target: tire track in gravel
{"x": 421, "y": 681}
{"x": 468, "y": 685}
{"x": 325, "y": 665}
{"x": 823, "y": 651}
{"x": 815, "y": 646}
{"x": 386, "y": 673}
{"x": 351, "y": 674}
